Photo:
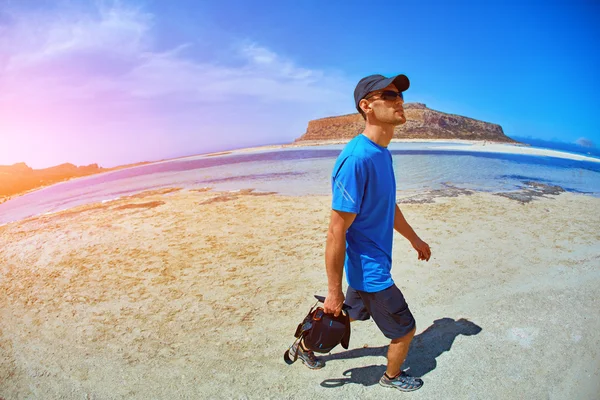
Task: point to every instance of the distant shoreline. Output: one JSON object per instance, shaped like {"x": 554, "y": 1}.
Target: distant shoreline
{"x": 5, "y": 198}
{"x": 461, "y": 145}
{"x": 473, "y": 145}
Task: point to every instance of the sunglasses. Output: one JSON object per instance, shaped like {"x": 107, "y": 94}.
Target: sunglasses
{"x": 388, "y": 95}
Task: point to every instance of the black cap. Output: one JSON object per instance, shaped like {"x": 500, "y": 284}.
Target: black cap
{"x": 377, "y": 82}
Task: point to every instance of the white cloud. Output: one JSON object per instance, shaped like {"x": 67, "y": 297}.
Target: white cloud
{"x": 36, "y": 38}
{"x": 585, "y": 142}
{"x": 259, "y": 55}
{"x": 69, "y": 76}
{"x": 49, "y": 52}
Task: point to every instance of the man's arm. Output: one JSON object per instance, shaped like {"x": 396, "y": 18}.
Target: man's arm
{"x": 335, "y": 253}
{"x": 403, "y": 227}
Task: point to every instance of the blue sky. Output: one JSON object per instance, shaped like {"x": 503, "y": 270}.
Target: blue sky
{"x": 114, "y": 82}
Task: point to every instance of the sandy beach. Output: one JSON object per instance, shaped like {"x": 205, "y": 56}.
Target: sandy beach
{"x": 177, "y": 294}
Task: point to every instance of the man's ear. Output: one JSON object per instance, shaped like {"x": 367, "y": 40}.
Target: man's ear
{"x": 365, "y": 106}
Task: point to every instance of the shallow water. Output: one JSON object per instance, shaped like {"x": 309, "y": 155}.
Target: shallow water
{"x": 302, "y": 171}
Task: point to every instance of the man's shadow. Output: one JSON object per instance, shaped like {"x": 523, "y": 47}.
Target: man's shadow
{"x": 424, "y": 349}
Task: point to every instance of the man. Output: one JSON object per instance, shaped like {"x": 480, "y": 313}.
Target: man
{"x": 363, "y": 217}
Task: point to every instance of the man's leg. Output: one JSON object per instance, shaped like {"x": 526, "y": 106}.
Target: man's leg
{"x": 393, "y": 317}
{"x": 397, "y": 353}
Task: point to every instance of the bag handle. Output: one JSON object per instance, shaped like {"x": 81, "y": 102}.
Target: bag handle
{"x": 321, "y": 299}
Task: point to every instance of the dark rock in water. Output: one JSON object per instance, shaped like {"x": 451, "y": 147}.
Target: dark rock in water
{"x": 531, "y": 191}
{"x": 430, "y": 195}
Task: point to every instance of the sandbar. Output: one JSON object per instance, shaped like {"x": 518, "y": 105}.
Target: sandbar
{"x": 459, "y": 144}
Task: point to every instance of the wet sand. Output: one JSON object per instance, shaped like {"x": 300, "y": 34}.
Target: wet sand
{"x": 195, "y": 294}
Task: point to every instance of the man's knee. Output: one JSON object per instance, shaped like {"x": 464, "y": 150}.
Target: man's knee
{"x": 407, "y": 337}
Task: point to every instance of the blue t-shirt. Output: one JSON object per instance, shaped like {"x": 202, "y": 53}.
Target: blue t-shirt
{"x": 363, "y": 183}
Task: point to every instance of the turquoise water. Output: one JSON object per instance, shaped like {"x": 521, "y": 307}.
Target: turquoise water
{"x": 303, "y": 171}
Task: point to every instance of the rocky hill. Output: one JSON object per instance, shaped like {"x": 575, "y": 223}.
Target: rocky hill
{"x": 20, "y": 178}
{"x": 421, "y": 123}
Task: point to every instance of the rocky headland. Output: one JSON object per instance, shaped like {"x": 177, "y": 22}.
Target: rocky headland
{"x": 20, "y": 178}
{"x": 421, "y": 123}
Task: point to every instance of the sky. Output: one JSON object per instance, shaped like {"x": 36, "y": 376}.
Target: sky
{"x": 117, "y": 82}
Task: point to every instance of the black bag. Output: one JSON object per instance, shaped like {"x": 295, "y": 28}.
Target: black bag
{"x": 322, "y": 332}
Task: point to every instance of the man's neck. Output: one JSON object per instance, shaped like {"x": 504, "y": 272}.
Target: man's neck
{"x": 380, "y": 134}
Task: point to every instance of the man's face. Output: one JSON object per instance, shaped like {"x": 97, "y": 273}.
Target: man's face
{"x": 387, "y": 111}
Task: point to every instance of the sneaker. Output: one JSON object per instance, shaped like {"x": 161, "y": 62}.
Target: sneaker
{"x": 402, "y": 382}
{"x": 307, "y": 357}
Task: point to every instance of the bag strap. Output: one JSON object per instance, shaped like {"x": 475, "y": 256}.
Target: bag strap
{"x": 286, "y": 355}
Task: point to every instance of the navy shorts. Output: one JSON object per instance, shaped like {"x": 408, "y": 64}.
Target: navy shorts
{"x": 387, "y": 307}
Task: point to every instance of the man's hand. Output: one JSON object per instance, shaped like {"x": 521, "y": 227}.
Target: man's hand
{"x": 422, "y": 248}
{"x": 333, "y": 303}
